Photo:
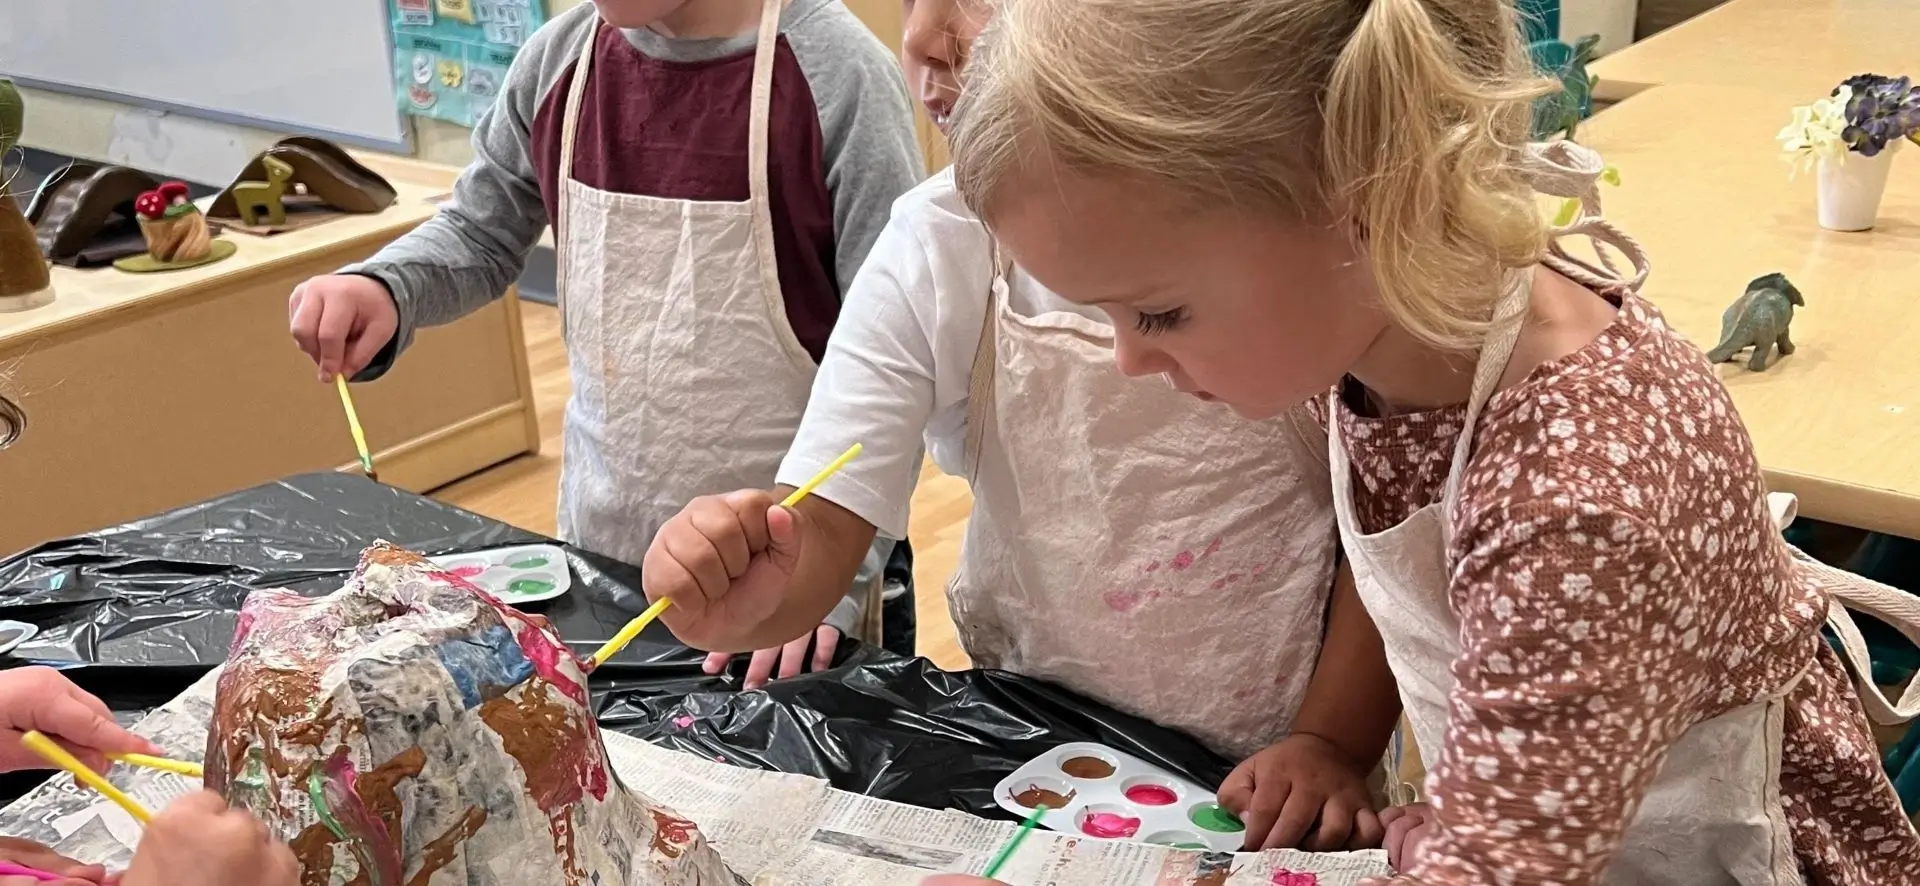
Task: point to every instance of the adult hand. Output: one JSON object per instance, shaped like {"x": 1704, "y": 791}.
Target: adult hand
{"x": 27, "y": 853}
{"x": 1283, "y": 792}
{"x": 342, "y": 321}
{"x": 38, "y": 698}
{"x": 726, "y": 562}
{"x": 200, "y": 840}
{"x": 1407, "y": 828}
{"x": 790, "y": 660}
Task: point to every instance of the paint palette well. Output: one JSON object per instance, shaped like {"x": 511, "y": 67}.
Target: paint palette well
{"x": 522, "y": 574}
{"x": 1095, "y": 791}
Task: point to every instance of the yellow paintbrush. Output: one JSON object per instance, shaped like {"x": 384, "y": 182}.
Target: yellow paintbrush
{"x": 633, "y": 628}
{"x": 179, "y": 767}
{"x": 58, "y": 756}
{"x": 353, "y": 424}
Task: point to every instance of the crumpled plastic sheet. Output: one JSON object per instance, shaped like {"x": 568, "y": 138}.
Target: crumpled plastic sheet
{"x": 136, "y": 613}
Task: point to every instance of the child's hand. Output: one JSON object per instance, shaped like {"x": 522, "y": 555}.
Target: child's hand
{"x": 791, "y": 659}
{"x": 1407, "y": 827}
{"x": 199, "y": 840}
{"x": 42, "y": 699}
{"x": 342, "y": 321}
{"x": 27, "y": 853}
{"x": 1302, "y": 793}
{"x": 725, "y": 561}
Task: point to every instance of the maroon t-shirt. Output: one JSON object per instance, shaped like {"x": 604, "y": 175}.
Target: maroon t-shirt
{"x": 678, "y": 130}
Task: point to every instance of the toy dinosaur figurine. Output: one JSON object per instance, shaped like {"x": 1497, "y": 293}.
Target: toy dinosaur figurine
{"x": 24, "y": 280}
{"x": 1562, "y": 111}
{"x": 1758, "y": 320}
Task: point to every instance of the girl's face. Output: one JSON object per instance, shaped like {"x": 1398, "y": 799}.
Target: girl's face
{"x": 1258, "y": 313}
{"x": 939, "y": 34}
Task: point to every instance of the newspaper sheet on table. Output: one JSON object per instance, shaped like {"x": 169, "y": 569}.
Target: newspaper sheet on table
{"x": 773, "y": 829}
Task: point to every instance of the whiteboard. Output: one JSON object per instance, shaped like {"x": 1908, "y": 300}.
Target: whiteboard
{"x": 316, "y": 67}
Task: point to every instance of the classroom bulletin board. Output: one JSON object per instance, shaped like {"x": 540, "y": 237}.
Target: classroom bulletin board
{"x": 450, "y": 57}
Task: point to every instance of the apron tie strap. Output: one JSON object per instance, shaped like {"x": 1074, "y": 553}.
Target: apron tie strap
{"x": 1572, "y": 171}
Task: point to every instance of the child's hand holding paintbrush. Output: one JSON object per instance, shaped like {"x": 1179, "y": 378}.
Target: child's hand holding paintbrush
{"x": 41, "y": 699}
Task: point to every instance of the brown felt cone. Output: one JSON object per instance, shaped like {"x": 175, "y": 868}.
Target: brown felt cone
{"x": 24, "y": 280}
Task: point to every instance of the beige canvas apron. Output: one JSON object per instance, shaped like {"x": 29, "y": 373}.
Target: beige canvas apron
{"x": 1713, "y": 814}
{"x": 1135, "y": 544}
{"x": 687, "y": 378}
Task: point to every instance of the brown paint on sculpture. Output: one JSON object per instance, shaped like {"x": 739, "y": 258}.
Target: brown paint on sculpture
{"x": 670, "y": 834}
{"x": 537, "y": 732}
{"x": 376, "y": 788}
{"x": 440, "y": 851}
{"x": 314, "y": 850}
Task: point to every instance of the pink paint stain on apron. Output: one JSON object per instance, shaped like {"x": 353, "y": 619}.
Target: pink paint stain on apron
{"x": 1123, "y": 601}
{"x": 1183, "y": 560}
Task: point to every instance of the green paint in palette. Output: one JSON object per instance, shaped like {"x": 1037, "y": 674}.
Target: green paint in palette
{"x": 529, "y": 586}
{"x": 529, "y": 563}
{"x": 1213, "y": 818}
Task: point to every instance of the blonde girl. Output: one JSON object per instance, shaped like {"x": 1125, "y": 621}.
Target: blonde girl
{"x": 1123, "y": 538}
{"x": 1556, "y": 520}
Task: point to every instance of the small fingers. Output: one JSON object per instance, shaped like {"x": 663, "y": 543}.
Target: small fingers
{"x": 1296, "y": 818}
{"x": 761, "y": 670}
{"x": 825, "y": 641}
{"x": 716, "y": 662}
{"x": 1367, "y": 831}
{"x": 793, "y": 657}
{"x": 696, "y": 554}
{"x": 336, "y": 321}
{"x": 1336, "y": 826}
{"x": 722, "y": 528}
{"x": 1262, "y": 814}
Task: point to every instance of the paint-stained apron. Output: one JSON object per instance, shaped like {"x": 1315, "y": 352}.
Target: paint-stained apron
{"x": 1135, "y": 544}
{"x": 687, "y": 378}
{"x": 1713, "y": 814}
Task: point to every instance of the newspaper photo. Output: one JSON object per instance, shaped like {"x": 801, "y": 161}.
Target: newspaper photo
{"x": 772, "y": 829}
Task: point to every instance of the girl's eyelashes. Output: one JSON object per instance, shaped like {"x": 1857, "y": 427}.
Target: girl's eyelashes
{"x": 1154, "y": 324}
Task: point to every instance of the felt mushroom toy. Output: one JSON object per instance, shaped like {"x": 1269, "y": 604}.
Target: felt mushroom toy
{"x": 175, "y": 229}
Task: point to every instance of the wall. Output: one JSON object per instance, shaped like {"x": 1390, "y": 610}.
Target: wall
{"x": 204, "y": 151}
{"x": 188, "y": 147}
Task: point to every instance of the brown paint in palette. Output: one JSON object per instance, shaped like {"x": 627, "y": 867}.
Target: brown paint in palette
{"x": 1087, "y": 767}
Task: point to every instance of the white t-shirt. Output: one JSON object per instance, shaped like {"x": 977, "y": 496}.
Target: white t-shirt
{"x": 897, "y": 368}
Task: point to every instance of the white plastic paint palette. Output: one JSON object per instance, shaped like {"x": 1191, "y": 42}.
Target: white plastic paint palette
{"x": 524, "y": 574}
{"x": 1095, "y": 791}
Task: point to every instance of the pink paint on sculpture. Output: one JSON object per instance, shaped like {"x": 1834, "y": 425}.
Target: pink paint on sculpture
{"x": 1284, "y": 877}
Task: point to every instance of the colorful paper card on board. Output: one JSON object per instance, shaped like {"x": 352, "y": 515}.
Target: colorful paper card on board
{"x": 450, "y": 57}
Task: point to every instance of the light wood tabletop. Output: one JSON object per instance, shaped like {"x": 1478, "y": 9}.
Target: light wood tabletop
{"x": 1706, "y": 191}
{"x": 1799, "y": 48}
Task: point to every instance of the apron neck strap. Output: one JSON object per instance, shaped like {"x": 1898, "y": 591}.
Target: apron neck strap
{"x": 763, "y": 56}
{"x": 980, "y": 388}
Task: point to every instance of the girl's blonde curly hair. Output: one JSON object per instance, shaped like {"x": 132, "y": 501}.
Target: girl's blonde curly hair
{"x": 1403, "y": 120}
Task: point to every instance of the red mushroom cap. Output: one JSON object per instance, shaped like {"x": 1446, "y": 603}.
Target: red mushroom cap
{"x": 151, "y": 204}
{"x": 170, "y": 190}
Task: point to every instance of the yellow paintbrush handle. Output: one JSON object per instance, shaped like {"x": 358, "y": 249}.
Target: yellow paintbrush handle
{"x": 832, "y": 468}
{"x": 58, "y": 756}
{"x": 633, "y": 628}
{"x": 182, "y": 767}
{"x": 353, "y": 422}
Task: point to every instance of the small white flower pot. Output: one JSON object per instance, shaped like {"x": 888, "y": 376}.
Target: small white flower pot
{"x": 1850, "y": 189}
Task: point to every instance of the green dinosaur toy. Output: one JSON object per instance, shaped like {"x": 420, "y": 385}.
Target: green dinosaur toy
{"x": 1562, "y": 111}
{"x": 1758, "y": 320}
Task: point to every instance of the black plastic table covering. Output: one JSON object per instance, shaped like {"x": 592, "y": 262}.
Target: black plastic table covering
{"x": 137, "y": 612}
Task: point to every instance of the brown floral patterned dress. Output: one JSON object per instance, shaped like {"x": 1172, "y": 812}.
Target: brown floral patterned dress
{"x": 1618, "y": 579}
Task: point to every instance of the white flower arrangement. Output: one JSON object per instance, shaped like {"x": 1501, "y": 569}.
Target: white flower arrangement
{"x": 1816, "y": 130}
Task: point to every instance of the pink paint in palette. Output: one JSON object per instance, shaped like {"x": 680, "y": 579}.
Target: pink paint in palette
{"x": 1111, "y": 795}
{"x": 516, "y": 575}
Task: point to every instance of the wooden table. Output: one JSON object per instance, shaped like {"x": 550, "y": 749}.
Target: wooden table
{"x": 145, "y": 392}
{"x": 1704, "y": 188}
{"x": 1800, "y": 49}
